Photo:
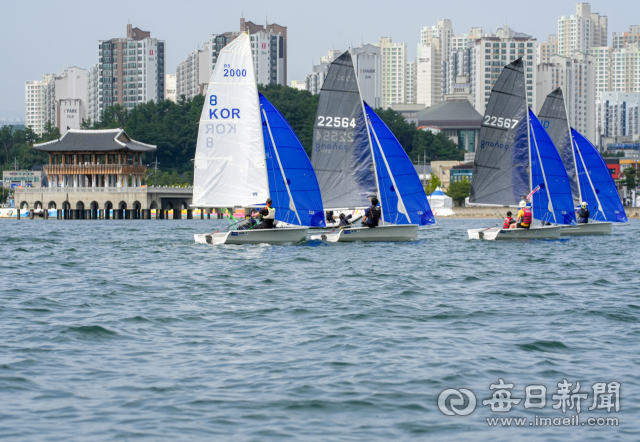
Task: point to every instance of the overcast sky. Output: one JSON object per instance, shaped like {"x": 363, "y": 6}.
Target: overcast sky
{"x": 41, "y": 36}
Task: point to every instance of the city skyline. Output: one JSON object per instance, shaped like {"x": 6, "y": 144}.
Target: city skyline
{"x": 183, "y": 31}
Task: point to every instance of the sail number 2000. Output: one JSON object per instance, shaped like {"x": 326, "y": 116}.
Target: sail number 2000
{"x": 505, "y": 123}
{"x": 336, "y": 122}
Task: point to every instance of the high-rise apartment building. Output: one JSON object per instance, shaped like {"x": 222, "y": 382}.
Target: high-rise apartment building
{"x": 67, "y": 99}
{"x": 269, "y": 48}
{"x": 459, "y": 63}
{"x": 93, "y": 108}
{"x": 621, "y": 39}
{"x": 602, "y": 60}
{"x": 428, "y": 75}
{"x": 394, "y": 66}
{"x": 131, "y": 70}
{"x": 545, "y": 51}
{"x": 367, "y": 62}
{"x": 581, "y": 32}
{"x": 35, "y": 95}
{"x": 625, "y": 68}
{"x": 576, "y": 77}
{"x": 194, "y": 73}
{"x": 315, "y": 80}
{"x": 492, "y": 54}
{"x": 617, "y": 114}
{"x": 412, "y": 82}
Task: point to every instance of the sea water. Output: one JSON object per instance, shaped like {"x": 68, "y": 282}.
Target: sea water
{"x": 127, "y": 330}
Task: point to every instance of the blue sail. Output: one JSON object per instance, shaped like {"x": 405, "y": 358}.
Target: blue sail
{"x": 553, "y": 183}
{"x": 606, "y": 193}
{"x": 406, "y": 179}
{"x": 297, "y": 168}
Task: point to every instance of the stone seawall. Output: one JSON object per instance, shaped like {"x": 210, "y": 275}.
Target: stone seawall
{"x": 501, "y": 212}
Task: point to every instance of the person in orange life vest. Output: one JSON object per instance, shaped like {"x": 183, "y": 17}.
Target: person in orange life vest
{"x": 508, "y": 221}
{"x": 525, "y": 217}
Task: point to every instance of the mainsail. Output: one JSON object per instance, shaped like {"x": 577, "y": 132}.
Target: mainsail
{"x": 341, "y": 154}
{"x": 598, "y": 188}
{"x": 402, "y": 196}
{"x": 500, "y": 168}
{"x": 552, "y": 202}
{"x": 292, "y": 182}
{"x": 230, "y": 165}
{"x": 553, "y": 117}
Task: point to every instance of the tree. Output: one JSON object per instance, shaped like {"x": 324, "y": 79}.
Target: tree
{"x": 629, "y": 179}
{"x": 459, "y": 190}
{"x": 433, "y": 184}
{"x": 6, "y": 139}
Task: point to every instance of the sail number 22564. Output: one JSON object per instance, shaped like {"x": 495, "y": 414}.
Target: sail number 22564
{"x": 336, "y": 122}
{"x": 503, "y": 123}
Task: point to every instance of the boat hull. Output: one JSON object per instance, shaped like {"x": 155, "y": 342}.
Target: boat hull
{"x": 389, "y": 233}
{"x": 498, "y": 234}
{"x": 597, "y": 228}
{"x": 262, "y": 236}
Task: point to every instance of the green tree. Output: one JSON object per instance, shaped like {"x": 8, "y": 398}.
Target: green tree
{"x": 459, "y": 190}
{"x": 629, "y": 179}
{"x": 6, "y": 139}
{"x": 433, "y": 184}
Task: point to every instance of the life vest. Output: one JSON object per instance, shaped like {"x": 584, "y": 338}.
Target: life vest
{"x": 583, "y": 216}
{"x": 507, "y": 222}
{"x": 330, "y": 216}
{"x": 271, "y": 214}
{"x": 526, "y": 218}
{"x": 374, "y": 215}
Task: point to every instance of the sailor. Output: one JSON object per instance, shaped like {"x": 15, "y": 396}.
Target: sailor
{"x": 372, "y": 214}
{"x": 344, "y": 220}
{"x": 508, "y": 221}
{"x": 583, "y": 214}
{"x": 268, "y": 216}
{"x": 330, "y": 217}
{"x": 524, "y": 216}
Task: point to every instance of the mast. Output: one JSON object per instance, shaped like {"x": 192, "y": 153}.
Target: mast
{"x": 373, "y": 157}
{"x": 573, "y": 153}
{"x": 292, "y": 204}
{"x": 529, "y": 143}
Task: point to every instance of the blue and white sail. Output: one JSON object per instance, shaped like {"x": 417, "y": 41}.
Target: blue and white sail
{"x": 293, "y": 185}
{"x": 552, "y": 200}
{"x": 598, "y": 189}
{"x": 402, "y": 196}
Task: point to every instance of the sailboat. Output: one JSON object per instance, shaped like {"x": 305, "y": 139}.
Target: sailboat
{"x": 246, "y": 152}
{"x": 356, "y": 157}
{"x": 516, "y": 161}
{"x": 591, "y": 181}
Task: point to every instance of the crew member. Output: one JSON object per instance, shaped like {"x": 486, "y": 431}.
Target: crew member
{"x": 268, "y": 216}
{"x": 583, "y": 214}
{"x": 330, "y": 217}
{"x": 508, "y": 221}
{"x": 524, "y": 216}
{"x": 372, "y": 214}
{"x": 248, "y": 222}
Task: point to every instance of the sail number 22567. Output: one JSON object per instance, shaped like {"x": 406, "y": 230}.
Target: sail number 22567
{"x": 336, "y": 122}
{"x": 503, "y": 123}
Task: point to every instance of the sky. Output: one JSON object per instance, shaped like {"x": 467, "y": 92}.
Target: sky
{"x": 41, "y": 36}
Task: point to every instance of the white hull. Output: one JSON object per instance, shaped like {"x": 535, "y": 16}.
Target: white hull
{"x": 596, "y": 228}
{"x": 262, "y": 236}
{"x": 498, "y": 234}
{"x": 389, "y": 233}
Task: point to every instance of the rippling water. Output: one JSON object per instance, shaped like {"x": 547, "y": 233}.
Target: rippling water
{"x": 127, "y": 330}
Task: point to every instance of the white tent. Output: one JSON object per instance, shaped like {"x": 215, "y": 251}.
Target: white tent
{"x": 440, "y": 203}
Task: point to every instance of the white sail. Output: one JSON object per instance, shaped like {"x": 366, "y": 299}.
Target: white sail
{"x": 230, "y": 165}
